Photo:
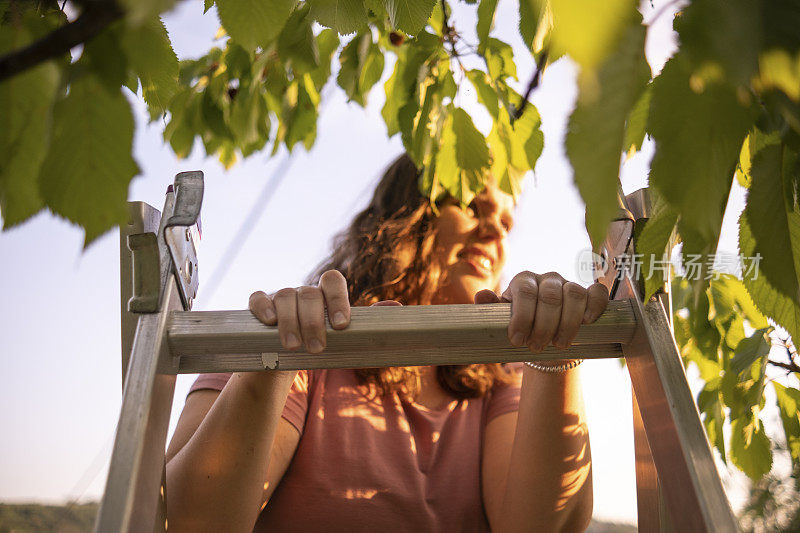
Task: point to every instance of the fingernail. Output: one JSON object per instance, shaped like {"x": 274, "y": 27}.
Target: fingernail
{"x": 339, "y": 319}
{"x": 314, "y": 346}
{"x": 269, "y": 315}
{"x": 292, "y": 341}
{"x": 518, "y": 339}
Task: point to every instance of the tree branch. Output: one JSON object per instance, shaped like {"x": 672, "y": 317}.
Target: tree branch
{"x": 95, "y": 18}
{"x": 790, "y": 366}
{"x": 534, "y": 83}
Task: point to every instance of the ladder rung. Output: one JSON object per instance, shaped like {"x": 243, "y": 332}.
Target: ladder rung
{"x": 218, "y": 341}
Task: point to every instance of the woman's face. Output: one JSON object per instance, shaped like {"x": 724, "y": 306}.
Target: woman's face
{"x": 471, "y": 244}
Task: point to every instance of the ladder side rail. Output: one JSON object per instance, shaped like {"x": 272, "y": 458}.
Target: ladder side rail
{"x": 651, "y": 508}
{"x": 132, "y": 499}
{"x": 137, "y": 459}
{"x": 685, "y": 464}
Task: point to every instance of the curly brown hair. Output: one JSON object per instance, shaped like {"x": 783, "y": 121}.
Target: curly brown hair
{"x": 387, "y": 253}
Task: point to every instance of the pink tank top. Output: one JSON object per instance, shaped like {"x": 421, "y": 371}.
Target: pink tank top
{"x": 378, "y": 464}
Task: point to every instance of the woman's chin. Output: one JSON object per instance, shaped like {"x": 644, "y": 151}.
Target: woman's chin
{"x": 463, "y": 291}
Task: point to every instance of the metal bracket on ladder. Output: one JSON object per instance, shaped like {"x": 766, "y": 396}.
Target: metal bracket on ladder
{"x": 682, "y": 492}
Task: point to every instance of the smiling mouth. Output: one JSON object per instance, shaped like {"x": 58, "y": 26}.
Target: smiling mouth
{"x": 481, "y": 262}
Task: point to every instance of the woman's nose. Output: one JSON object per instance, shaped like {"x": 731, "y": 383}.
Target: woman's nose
{"x": 491, "y": 227}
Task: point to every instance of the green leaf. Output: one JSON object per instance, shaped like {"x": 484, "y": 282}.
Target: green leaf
{"x": 244, "y": 115}
{"x": 486, "y": 94}
{"x": 344, "y": 16}
{"x": 86, "y": 173}
{"x": 708, "y": 402}
{"x": 296, "y": 42}
{"x": 499, "y": 59}
{"x": 486, "y": 10}
{"x": 254, "y": 23}
{"x": 530, "y": 17}
{"x": 299, "y": 114}
{"x": 585, "y": 32}
{"x": 142, "y": 11}
{"x": 26, "y": 106}
{"x": 213, "y": 115}
{"x": 180, "y": 130}
{"x": 403, "y": 85}
{"x": 750, "y": 447}
{"x": 636, "y": 125}
{"x": 527, "y": 132}
{"x": 788, "y": 400}
{"x": 104, "y": 57}
{"x": 749, "y": 349}
{"x": 778, "y": 70}
{"x": 652, "y": 244}
{"x": 778, "y": 242}
{"x": 730, "y": 297}
{"x": 471, "y": 150}
{"x": 152, "y": 58}
{"x": 597, "y": 128}
{"x": 463, "y": 157}
{"x": 698, "y": 134}
{"x": 327, "y": 43}
{"x": 706, "y": 29}
{"x": 755, "y": 141}
{"x": 409, "y": 16}
{"x": 426, "y": 125}
{"x": 771, "y": 302}
{"x": 361, "y": 67}
{"x": 207, "y": 4}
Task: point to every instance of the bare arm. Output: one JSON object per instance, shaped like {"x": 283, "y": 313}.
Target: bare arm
{"x": 536, "y": 464}
{"x": 222, "y": 453}
{"x": 231, "y": 449}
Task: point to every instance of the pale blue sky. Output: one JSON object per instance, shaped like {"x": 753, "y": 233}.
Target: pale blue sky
{"x": 59, "y": 318}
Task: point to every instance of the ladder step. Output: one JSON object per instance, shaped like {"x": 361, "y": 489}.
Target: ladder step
{"x": 234, "y": 341}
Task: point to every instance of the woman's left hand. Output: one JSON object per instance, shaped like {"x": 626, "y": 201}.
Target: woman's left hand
{"x": 546, "y": 308}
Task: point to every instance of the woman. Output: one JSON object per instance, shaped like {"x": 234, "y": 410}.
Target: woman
{"x": 465, "y": 448}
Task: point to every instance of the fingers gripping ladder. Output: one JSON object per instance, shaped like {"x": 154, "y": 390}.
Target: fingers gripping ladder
{"x": 677, "y": 483}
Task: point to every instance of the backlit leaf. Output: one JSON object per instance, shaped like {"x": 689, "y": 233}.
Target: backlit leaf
{"x": 778, "y": 242}
{"x": 486, "y": 11}
{"x": 698, "y": 134}
{"x": 409, "y": 16}
{"x": 86, "y": 173}
{"x": 597, "y": 128}
{"x": 587, "y": 32}
{"x": 26, "y": 105}
{"x": 750, "y": 448}
{"x": 652, "y": 243}
{"x": 344, "y": 16}
{"x": 788, "y": 400}
{"x": 254, "y": 22}
{"x": 783, "y": 310}
{"x": 152, "y": 59}
{"x": 636, "y": 125}
{"x": 296, "y": 41}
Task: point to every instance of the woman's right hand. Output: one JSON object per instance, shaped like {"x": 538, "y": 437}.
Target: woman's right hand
{"x": 300, "y": 313}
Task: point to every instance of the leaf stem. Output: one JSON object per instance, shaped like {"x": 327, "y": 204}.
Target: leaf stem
{"x": 534, "y": 83}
